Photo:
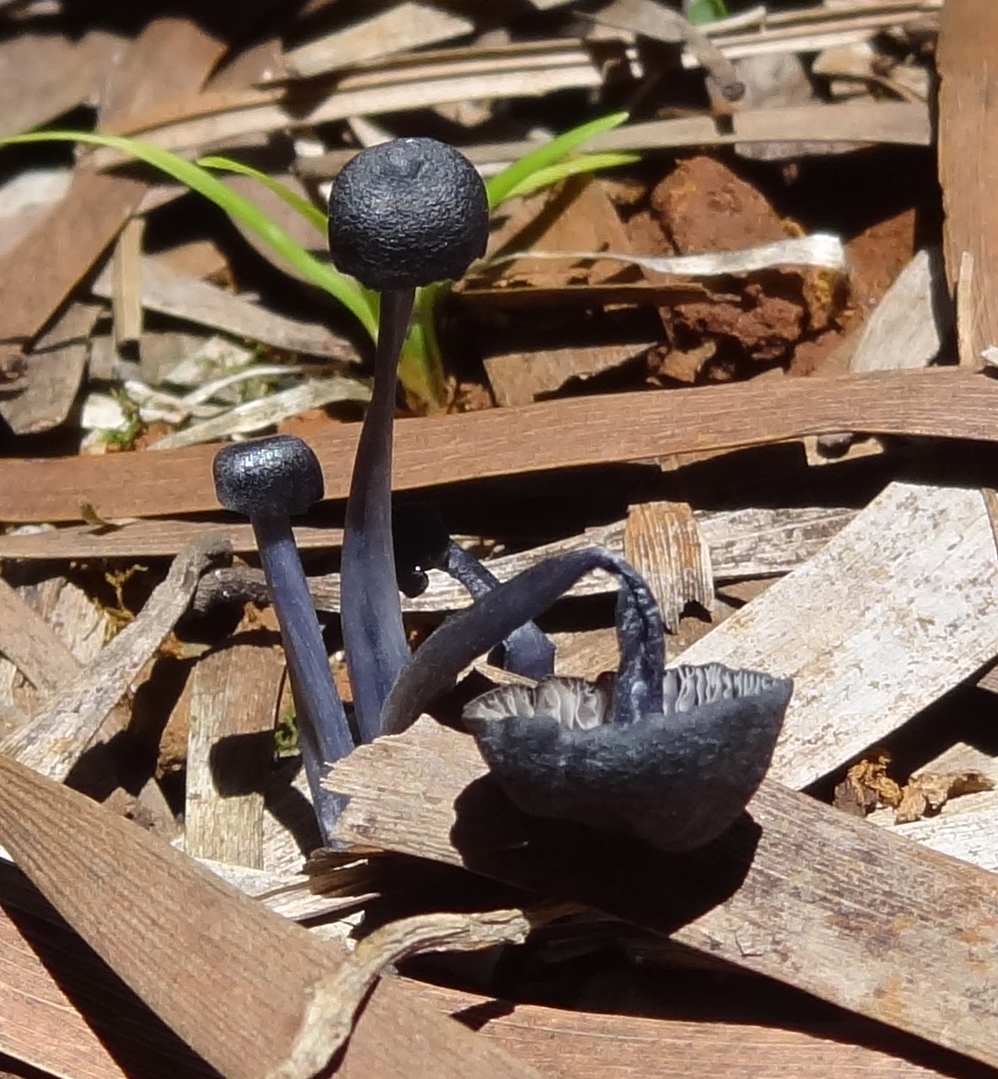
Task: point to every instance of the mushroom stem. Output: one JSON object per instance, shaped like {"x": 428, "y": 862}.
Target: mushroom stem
{"x": 471, "y": 632}
{"x": 421, "y": 542}
{"x": 323, "y": 732}
{"x": 526, "y": 650}
{"x": 267, "y": 481}
{"x": 373, "y": 634}
{"x": 316, "y": 698}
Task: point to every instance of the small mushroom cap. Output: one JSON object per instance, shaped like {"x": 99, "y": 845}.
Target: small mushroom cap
{"x": 269, "y": 477}
{"x": 407, "y": 212}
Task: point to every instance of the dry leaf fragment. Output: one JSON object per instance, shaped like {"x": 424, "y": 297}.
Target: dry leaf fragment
{"x": 926, "y": 794}
{"x": 866, "y": 786}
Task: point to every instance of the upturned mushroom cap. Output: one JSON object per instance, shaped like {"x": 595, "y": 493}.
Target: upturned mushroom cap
{"x": 407, "y": 212}
{"x": 269, "y": 477}
{"x": 677, "y": 779}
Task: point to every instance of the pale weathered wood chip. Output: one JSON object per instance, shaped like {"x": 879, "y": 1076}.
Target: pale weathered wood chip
{"x": 172, "y": 293}
{"x": 53, "y": 740}
{"x": 797, "y": 890}
{"x": 230, "y": 745}
{"x": 898, "y": 608}
{"x": 663, "y": 541}
{"x": 403, "y": 84}
{"x": 402, "y": 27}
{"x": 53, "y": 372}
{"x": 908, "y": 326}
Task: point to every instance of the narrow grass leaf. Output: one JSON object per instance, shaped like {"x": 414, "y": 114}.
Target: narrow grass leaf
{"x": 342, "y": 288}
{"x": 574, "y": 166}
{"x": 512, "y": 176}
{"x": 312, "y": 214}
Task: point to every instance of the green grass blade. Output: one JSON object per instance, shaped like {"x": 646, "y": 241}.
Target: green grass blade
{"x": 575, "y": 166}
{"x": 701, "y": 11}
{"x": 543, "y": 157}
{"x": 342, "y": 288}
{"x": 312, "y": 214}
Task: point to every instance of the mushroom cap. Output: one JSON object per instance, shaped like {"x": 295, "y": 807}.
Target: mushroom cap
{"x": 676, "y": 779}
{"x": 407, "y": 212}
{"x": 269, "y": 477}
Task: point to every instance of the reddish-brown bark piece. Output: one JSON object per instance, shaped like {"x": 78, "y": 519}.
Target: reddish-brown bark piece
{"x": 256, "y": 996}
{"x": 943, "y": 403}
{"x": 968, "y": 164}
{"x": 39, "y": 272}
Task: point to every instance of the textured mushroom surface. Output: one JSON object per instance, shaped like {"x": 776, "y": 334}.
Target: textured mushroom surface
{"x": 268, "y": 477}
{"x": 677, "y": 779}
{"x": 406, "y": 213}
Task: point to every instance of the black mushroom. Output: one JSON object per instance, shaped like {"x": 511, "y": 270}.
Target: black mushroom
{"x": 401, "y": 215}
{"x": 422, "y": 543}
{"x": 269, "y": 481}
{"x": 672, "y": 756}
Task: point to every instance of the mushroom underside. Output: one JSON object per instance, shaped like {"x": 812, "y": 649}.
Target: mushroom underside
{"x": 677, "y": 779}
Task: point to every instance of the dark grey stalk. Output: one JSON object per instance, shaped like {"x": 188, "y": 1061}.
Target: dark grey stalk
{"x": 267, "y": 481}
{"x": 401, "y": 215}
{"x": 370, "y": 610}
{"x": 421, "y": 543}
{"x": 472, "y": 632}
{"x": 526, "y": 651}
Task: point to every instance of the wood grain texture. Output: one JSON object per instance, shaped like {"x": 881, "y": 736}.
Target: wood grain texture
{"x": 182, "y": 296}
{"x": 968, "y": 163}
{"x": 39, "y": 1025}
{"x": 28, "y": 641}
{"x": 588, "y": 1045}
{"x": 64, "y": 1012}
{"x": 234, "y": 696}
{"x": 250, "y": 992}
{"x": 796, "y": 890}
{"x": 945, "y": 403}
{"x": 897, "y": 609}
{"x": 664, "y": 543}
{"x": 69, "y": 720}
{"x": 150, "y": 538}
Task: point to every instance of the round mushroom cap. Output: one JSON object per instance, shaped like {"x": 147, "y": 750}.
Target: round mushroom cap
{"x": 407, "y": 212}
{"x": 269, "y": 477}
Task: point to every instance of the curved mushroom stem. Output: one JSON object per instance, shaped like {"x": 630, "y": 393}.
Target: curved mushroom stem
{"x": 526, "y": 650}
{"x": 470, "y": 633}
{"x": 373, "y": 634}
{"x": 421, "y": 542}
{"x": 322, "y": 725}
